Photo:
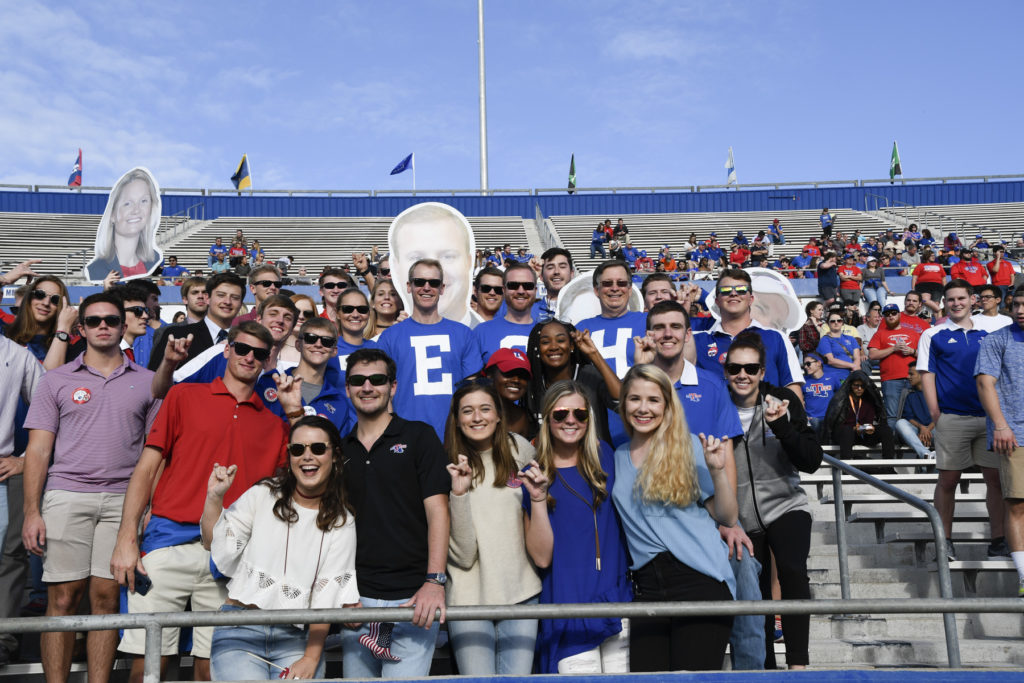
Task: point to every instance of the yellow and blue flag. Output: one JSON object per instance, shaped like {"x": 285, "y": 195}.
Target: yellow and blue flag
{"x": 242, "y": 179}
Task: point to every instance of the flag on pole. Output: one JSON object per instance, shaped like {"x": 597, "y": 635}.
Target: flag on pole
{"x": 894, "y": 163}
{"x": 75, "y": 179}
{"x": 242, "y": 179}
{"x": 405, "y": 164}
{"x": 730, "y": 167}
{"x": 572, "y": 174}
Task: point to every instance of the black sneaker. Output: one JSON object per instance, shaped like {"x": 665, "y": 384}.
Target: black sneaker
{"x": 999, "y": 550}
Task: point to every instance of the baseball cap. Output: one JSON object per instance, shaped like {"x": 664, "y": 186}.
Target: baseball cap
{"x": 714, "y": 234}
{"x": 508, "y": 360}
{"x": 890, "y": 308}
{"x": 872, "y": 258}
{"x": 978, "y": 236}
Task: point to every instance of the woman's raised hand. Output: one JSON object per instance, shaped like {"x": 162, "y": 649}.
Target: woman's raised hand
{"x": 714, "y": 454}
{"x": 535, "y": 481}
{"x": 462, "y": 475}
{"x": 220, "y": 480}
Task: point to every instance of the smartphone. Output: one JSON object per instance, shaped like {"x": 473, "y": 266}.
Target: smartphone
{"x": 142, "y": 583}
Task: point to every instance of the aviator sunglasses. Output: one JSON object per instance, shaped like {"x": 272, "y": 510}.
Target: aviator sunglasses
{"x": 561, "y": 414}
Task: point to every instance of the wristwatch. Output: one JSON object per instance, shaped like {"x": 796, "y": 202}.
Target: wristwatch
{"x": 439, "y": 578}
{"x": 62, "y": 336}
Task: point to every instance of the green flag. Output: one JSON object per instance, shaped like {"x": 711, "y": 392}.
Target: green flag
{"x": 894, "y": 163}
{"x": 572, "y": 174}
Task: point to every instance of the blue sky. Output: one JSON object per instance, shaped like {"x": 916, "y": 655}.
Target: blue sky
{"x": 334, "y": 94}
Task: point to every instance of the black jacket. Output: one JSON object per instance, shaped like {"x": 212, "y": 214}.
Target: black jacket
{"x": 839, "y": 406}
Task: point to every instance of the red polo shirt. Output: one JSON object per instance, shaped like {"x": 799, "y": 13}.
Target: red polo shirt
{"x": 202, "y": 424}
{"x": 895, "y": 365}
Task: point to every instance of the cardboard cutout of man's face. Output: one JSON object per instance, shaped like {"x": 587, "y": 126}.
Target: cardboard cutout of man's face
{"x": 433, "y": 230}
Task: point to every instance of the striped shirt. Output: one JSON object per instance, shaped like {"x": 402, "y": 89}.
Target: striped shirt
{"x": 19, "y": 376}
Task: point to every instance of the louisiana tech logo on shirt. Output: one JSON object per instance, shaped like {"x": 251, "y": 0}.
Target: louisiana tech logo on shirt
{"x": 693, "y": 396}
{"x": 818, "y": 389}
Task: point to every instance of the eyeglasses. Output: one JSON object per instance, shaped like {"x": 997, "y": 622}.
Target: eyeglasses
{"x": 39, "y": 295}
{"x": 378, "y": 380}
{"x": 434, "y": 282}
{"x": 273, "y": 283}
{"x": 332, "y": 285}
{"x": 749, "y": 368}
{"x": 325, "y": 341}
{"x": 738, "y": 289}
{"x": 137, "y": 311}
{"x": 93, "y": 321}
{"x": 296, "y": 450}
{"x": 242, "y": 349}
{"x": 384, "y": 271}
{"x": 487, "y": 289}
{"x": 608, "y": 284}
{"x": 561, "y": 414}
{"x": 528, "y": 286}
{"x": 365, "y": 310}
{"x": 988, "y": 296}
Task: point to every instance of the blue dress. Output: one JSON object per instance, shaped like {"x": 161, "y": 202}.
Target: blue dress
{"x": 573, "y": 576}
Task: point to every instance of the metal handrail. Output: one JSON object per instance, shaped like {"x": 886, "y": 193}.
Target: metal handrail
{"x": 153, "y": 622}
{"x": 941, "y": 561}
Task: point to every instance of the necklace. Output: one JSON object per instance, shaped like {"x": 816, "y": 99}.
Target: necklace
{"x": 592, "y": 506}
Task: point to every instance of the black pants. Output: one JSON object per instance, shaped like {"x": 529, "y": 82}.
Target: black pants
{"x": 789, "y": 539}
{"x": 677, "y": 644}
{"x": 846, "y": 436}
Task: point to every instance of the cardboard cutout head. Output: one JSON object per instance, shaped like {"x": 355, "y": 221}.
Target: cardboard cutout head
{"x": 437, "y": 231}
{"x": 776, "y": 305}
{"x": 577, "y": 300}
{"x": 126, "y": 237}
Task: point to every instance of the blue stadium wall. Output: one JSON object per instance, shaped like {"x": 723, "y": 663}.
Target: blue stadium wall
{"x": 609, "y": 205}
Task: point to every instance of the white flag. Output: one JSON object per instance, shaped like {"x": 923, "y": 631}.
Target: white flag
{"x": 730, "y": 167}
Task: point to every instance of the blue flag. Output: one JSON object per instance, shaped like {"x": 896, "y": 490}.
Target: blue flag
{"x": 404, "y": 165}
{"x": 242, "y": 179}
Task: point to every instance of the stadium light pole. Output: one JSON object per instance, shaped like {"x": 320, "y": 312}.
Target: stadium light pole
{"x": 483, "y": 96}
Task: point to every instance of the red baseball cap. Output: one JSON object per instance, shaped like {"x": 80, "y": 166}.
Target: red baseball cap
{"x": 508, "y": 360}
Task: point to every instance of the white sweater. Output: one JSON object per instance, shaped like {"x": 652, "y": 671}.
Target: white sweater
{"x": 487, "y": 560}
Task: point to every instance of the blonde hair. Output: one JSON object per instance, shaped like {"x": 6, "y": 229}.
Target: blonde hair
{"x": 105, "y": 235}
{"x": 588, "y": 460}
{"x": 669, "y": 472}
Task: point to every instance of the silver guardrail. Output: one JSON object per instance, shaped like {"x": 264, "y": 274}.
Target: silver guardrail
{"x": 153, "y": 622}
{"x": 941, "y": 561}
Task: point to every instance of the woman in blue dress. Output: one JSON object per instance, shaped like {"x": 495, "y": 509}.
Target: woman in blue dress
{"x": 574, "y": 537}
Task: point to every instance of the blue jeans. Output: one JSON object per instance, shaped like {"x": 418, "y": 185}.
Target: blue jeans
{"x": 597, "y": 248}
{"x": 230, "y": 658}
{"x": 891, "y": 390}
{"x": 875, "y": 294}
{"x": 747, "y": 639}
{"x": 414, "y": 645}
{"x": 817, "y": 424}
{"x": 908, "y": 433}
{"x": 486, "y": 648}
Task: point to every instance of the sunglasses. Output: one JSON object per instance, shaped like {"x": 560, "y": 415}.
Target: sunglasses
{"x": 561, "y": 414}
{"x": 297, "y": 449}
{"x": 243, "y": 350}
{"x": 809, "y": 363}
{"x": 365, "y": 310}
{"x": 434, "y": 282}
{"x": 738, "y": 289}
{"x": 609, "y": 283}
{"x": 137, "y": 311}
{"x": 384, "y": 271}
{"x": 93, "y": 321}
{"x": 333, "y": 285}
{"x": 528, "y": 286}
{"x": 303, "y": 313}
{"x": 834, "y": 320}
{"x": 39, "y": 295}
{"x": 325, "y": 341}
{"x": 749, "y": 368}
{"x": 272, "y": 283}
{"x": 378, "y": 380}
{"x": 891, "y": 313}
{"x": 487, "y": 289}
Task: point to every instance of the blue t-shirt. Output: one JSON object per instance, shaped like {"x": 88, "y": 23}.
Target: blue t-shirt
{"x": 826, "y": 220}
{"x": 500, "y": 334}
{"x": 801, "y": 261}
{"x": 689, "y": 533}
{"x": 431, "y": 360}
{"x": 818, "y": 391}
{"x": 219, "y": 249}
{"x": 1002, "y": 356}
{"x": 916, "y": 408}
{"x": 332, "y": 401}
{"x": 841, "y": 348}
{"x": 950, "y": 352}
{"x": 781, "y": 366}
{"x": 614, "y": 337}
{"x": 828, "y": 277}
{"x": 707, "y": 405}
{"x": 344, "y": 349}
{"x": 174, "y": 271}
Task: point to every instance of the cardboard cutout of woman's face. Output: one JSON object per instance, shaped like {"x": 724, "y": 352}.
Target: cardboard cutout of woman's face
{"x": 126, "y": 235}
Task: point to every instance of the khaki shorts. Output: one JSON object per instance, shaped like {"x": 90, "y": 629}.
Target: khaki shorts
{"x": 1011, "y": 474}
{"x": 81, "y": 530}
{"x": 180, "y": 573}
{"x": 960, "y": 442}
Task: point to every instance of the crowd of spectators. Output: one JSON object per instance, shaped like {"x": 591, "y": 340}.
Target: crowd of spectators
{"x": 396, "y": 457}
